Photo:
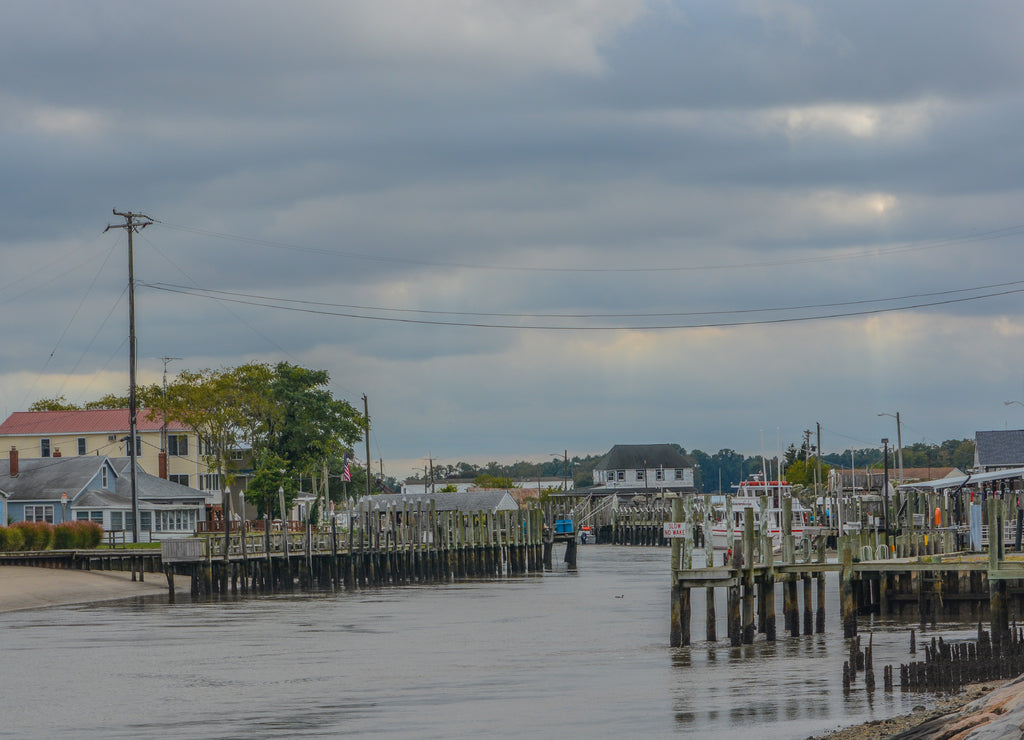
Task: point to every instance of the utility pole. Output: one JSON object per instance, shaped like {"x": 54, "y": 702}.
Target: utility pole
{"x": 369, "y": 463}
{"x": 133, "y": 223}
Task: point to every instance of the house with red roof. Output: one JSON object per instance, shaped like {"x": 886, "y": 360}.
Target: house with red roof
{"x": 170, "y": 451}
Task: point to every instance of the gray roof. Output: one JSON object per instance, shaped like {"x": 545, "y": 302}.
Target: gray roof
{"x": 1000, "y": 447}
{"x": 151, "y": 488}
{"x": 470, "y": 501}
{"x": 623, "y": 457}
{"x": 46, "y": 478}
{"x": 101, "y": 499}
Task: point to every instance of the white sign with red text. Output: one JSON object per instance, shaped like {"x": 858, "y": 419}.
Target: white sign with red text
{"x": 675, "y": 529}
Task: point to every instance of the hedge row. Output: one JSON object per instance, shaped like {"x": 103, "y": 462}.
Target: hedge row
{"x": 44, "y": 536}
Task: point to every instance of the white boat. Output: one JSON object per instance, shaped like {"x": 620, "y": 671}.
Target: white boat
{"x": 748, "y": 495}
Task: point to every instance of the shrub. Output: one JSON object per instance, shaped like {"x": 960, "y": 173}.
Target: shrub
{"x": 11, "y": 539}
{"x": 92, "y": 535}
{"x": 37, "y": 535}
{"x": 77, "y": 535}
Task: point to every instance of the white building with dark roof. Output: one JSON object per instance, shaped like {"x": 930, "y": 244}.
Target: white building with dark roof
{"x": 643, "y": 469}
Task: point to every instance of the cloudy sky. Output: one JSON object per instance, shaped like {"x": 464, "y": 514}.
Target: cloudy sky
{"x": 524, "y": 227}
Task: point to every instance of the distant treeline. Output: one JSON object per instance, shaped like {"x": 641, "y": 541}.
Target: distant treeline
{"x": 726, "y": 467}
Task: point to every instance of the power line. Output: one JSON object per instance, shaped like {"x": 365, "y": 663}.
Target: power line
{"x": 481, "y": 325}
{"x": 212, "y": 293}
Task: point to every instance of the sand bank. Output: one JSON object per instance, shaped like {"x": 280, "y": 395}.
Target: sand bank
{"x": 32, "y": 588}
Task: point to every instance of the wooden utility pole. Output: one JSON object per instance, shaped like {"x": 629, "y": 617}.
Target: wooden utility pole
{"x": 133, "y": 222}
{"x": 369, "y": 464}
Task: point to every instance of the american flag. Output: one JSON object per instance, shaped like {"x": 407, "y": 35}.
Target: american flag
{"x": 347, "y": 474}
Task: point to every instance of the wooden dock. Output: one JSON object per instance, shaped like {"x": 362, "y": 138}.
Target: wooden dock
{"x": 921, "y": 569}
{"x": 391, "y": 546}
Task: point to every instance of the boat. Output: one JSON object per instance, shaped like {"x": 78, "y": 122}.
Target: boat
{"x": 748, "y": 495}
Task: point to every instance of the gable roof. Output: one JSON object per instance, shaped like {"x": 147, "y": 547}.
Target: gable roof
{"x": 1000, "y": 447}
{"x": 87, "y": 421}
{"x": 46, "y": 478}
{"x": 153, "y": 489}
{"x": 489, "y": 500}
{"x": 622, "y": 457}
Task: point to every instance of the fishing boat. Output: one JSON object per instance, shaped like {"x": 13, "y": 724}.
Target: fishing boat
{"x": 748, "y": 495}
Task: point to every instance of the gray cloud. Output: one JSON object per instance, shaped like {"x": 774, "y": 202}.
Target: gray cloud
{"x": 750, "y": 154}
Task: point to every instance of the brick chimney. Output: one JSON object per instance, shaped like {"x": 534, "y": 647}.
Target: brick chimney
{"x": 14, "y": 461}
{"x": 162, "y": 465}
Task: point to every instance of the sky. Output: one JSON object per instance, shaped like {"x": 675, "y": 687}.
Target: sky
{"x": 521, "y": 228}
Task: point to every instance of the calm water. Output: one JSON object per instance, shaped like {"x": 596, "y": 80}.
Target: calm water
{"x": 562, "y": 655}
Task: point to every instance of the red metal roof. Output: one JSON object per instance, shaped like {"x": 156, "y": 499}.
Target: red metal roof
{"x": 80, "y": 422}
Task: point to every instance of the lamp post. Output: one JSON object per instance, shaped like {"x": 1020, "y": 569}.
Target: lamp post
{"x": 885, "y": 489}
{"x": 63, "y": 507}
{"x": 899, "y": 442}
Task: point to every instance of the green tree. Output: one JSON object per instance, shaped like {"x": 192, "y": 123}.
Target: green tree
{"x": 59, "y": 403}
{"x": 218, "y": 406}
{"x": 114, "y": 401}
{"x": 263, "y": 489}
{"x": 492, "y": 481}
{"x": 303, "y": 423}
{"x": 802, "y": 472}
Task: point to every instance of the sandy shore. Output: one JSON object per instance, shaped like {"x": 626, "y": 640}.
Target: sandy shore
{"x": 32, "y": 588}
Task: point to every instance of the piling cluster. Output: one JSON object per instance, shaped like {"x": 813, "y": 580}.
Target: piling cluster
{"x": 949, "y": 666}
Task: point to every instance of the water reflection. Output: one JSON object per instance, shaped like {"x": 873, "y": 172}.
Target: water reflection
{"x": 540, "y": 656}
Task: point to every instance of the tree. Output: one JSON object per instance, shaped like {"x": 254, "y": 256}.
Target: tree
{"x": 302, "y": 422}
{"x": 218, "y": 406}
{"x": 114, "y": 401}
{"x": 59, "y": 403}
{"x": 802, "y": 472}
{"x": 263, "y": 490}
{"x": 492, "y": 481}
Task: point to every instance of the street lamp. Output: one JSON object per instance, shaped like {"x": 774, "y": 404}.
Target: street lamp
{"x": 899, "y": 441}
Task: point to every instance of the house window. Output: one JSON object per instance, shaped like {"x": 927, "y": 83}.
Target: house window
{"x": 128, "y": 446}
{"x": 679, "y": 474}
{"x": 39, "y": 513}
{"x": 659, "y": 474}
{"x": 177, "y": 444}
{"x": 209, "y": 482}
{"x": 44, "y": 448}
{"x": 117, "y": 520}
{"x": 81, "y": 445}
{"x": 237, "y": 455}
{"x": 103, "y": 476}
{"x": 639, "y": 474}
{"x": 86, "y": 516}
{"x": 174, "y": 521}
{"x": 180, "y": 478}
{"x": 622, "y": 475}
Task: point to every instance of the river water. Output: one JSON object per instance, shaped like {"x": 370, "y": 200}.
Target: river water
{"x": 563, "y": 655}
